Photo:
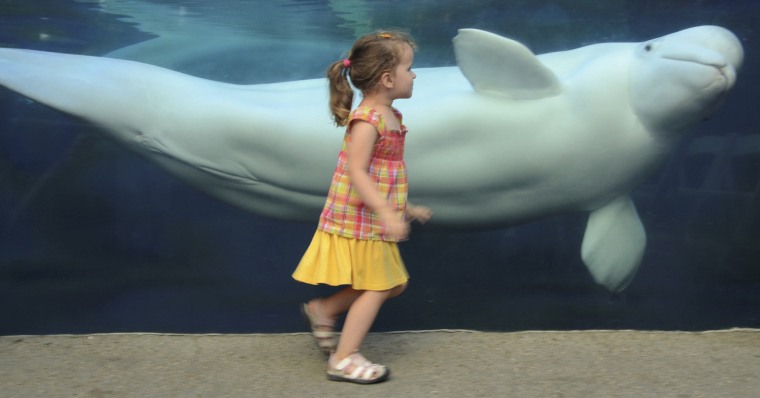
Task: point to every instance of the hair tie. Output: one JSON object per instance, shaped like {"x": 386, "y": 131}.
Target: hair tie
{"x": 346, "y": 63}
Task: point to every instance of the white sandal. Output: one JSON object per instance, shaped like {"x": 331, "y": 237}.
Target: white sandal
{"x": 322, "y": 331}
{"x": 356, "y": 369}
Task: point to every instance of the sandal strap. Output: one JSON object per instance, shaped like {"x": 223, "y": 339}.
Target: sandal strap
{"x": 356, "y": 359}
{"x": 323, "y": 334}
{"x": 325, "y": 340}
{"x": 366, "y": 373}
{"x": 321, "y": 329}
{"x": 363, "y": 369}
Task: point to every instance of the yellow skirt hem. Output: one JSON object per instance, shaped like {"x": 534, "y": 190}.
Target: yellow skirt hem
{"x": 363, "y": 264}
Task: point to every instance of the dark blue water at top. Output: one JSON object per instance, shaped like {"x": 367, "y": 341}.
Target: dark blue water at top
{"x": 95, "y": 239}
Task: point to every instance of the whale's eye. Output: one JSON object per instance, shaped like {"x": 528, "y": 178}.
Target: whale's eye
{"x": 648, "y": 47}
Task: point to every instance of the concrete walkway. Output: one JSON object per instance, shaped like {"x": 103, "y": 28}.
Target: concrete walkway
{"x": 424, "y": 364}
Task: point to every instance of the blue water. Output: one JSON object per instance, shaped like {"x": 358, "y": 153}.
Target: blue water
{"x": 95, "y": 239}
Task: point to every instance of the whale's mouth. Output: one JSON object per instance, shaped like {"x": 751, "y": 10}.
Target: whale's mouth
{"x": 724, "y": 72}
{"x": 699, "y": 56}
{"x": 726, "y": 76}
{"x": 715, "y": 60}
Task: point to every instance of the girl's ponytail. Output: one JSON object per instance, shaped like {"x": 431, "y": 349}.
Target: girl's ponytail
{"x": 341, "y": 94}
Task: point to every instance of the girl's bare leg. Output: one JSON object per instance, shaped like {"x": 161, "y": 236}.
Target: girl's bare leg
{"x": 331, "y": 307}
{"x": 361, "y": 315}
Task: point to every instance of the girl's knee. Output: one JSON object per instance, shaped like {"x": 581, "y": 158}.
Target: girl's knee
{"x": 398, "y": 290}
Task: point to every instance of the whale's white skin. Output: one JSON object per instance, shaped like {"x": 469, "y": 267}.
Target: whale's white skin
{"x": 508, "y": 138}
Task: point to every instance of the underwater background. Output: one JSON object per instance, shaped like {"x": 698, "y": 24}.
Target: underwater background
{"x": 93, "y": 238}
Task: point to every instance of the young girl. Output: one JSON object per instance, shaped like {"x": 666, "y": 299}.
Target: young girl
{"x": 366, "y": 212}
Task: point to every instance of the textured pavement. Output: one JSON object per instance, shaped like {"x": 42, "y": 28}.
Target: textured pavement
{"x": 424, "y": 364}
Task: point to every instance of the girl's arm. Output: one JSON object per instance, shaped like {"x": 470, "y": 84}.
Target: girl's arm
{"x": 419, "y": 213}
{"x": 363, "y": 137}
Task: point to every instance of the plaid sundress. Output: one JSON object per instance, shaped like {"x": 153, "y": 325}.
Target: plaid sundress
{"x": 344, "y": 214}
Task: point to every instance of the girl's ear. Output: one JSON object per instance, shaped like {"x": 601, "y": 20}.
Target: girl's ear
{"x": 386, "y": 80}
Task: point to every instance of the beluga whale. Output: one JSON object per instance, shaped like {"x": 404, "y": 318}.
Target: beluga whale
{"x": 504, "y": 137}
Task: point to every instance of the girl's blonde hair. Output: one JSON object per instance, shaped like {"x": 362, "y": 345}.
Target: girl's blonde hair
{"x": 372, "y": 55}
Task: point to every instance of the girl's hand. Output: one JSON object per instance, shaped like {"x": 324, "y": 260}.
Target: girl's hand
{"x": 419, "y": 213}
{"x": 395, "y": 228}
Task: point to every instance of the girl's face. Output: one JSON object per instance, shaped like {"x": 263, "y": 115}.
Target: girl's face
{"x": 403, "y": 77}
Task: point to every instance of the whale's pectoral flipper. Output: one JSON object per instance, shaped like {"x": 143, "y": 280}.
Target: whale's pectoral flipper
{"x": 614, "y": 243}
{"x": 496, "y": 65}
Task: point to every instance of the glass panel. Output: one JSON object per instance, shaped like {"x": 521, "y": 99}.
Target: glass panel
{"x": 95, "y": 237}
